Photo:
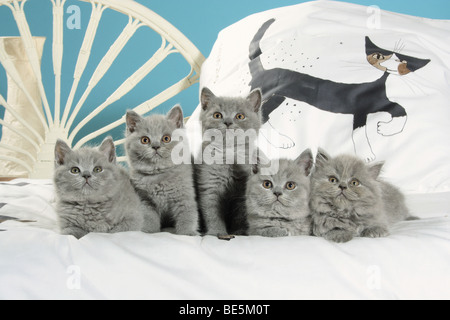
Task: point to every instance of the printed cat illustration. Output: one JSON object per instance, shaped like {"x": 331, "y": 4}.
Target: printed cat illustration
{"x": 356, "y": 99}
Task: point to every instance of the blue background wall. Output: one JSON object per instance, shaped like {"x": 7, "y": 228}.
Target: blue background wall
{"x": 199, "y": 20}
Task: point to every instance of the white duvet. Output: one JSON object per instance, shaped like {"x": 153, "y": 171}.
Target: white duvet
{"x": 38, "y": 263}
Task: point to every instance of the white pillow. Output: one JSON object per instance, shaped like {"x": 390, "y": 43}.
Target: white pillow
{"x": 328, "y": 82}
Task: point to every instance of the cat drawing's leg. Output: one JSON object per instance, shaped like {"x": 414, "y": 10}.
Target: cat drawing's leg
{"x": 362, "y": 145}
{"x": 396, "y": 124}
{"x": 361, "y": 142}
{"x": 275, "y": 138}
{"x": 270, "y": 105}
{"x": 393, "y": 127}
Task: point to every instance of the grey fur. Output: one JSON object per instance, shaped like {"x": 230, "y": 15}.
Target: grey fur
{"x": 341, "y": 210}
{"x": 163, "y": 185}
{"x": 278, "y": 211}
{"x": 221, "y": 186}
{"x": 90, "y": 201}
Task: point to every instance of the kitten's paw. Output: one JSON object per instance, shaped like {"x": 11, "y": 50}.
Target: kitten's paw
{"x": 375, "y": 232}
{"x": 339, "y": 235}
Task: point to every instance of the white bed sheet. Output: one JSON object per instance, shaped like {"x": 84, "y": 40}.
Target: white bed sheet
{"x": 38, "y": 263}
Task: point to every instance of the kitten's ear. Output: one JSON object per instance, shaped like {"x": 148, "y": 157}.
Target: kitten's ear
{"x": 305, "y": 161}
{"x": 322, "y": 157}
{"x": 375, "y": 169}
{"x": 176, "y": 116}
{"x": 255, "y": 167}
{"x": 132, "y": 120}
{"x": 107, "y": 147}
{"x": 255, "y": 99}
{"x": 61, "y": 150}
{"x": 206, "y": 97}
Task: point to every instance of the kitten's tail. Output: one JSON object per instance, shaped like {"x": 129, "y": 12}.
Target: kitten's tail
{"x": 255, "y": 48}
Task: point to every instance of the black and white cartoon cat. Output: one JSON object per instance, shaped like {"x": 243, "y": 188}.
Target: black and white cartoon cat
{"x": 357, "y": 99}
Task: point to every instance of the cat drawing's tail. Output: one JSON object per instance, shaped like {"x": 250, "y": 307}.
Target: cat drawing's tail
{"x": 255, "y": 49}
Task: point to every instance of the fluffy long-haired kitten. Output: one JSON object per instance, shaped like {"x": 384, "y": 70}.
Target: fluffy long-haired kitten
{"x": 94, "y": 194}
{"x": 222, "y": 176}
{"x": 348, "y": 199}
{"x": 278, "y": 204}
{"x": 160, "y": 181}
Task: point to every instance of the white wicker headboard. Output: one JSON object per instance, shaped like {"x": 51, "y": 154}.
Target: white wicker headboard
{"x": 38, "y": 161}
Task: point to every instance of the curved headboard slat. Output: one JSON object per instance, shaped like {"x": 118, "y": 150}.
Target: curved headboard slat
{"x": 60, "y": 120}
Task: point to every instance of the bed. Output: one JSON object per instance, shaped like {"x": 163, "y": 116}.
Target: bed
{"x": 412, "y": 263}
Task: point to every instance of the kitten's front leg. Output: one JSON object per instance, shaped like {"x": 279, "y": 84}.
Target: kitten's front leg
{"x": 333, "y": 229}
{"x": 186, "y": 217}
{"x": 210, "y": 207}
{"x": 212, "y": 183}
{"x": 152, "y": 220}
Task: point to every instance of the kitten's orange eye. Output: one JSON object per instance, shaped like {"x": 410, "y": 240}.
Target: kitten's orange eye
{"x": 291, "y": 185}
{"x": 267, "y": 184}
{"x": 145, "y": 140}
{"x": 166, "y": 139}
{"x": 75, "y": 170}
{"x": 217, "y": 115}
{"x": 333, "y": 179}
{"x": 355, "y": 182}
{"x": 240, "y": 116}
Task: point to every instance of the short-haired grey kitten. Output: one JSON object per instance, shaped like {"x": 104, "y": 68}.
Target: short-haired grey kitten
{"x": 348, "y": 199}
{"x": 94, "y": 194}
{"x": 221, "y": 184}
{"x": 278, "y": 204}
{"x": 161, "y": 183}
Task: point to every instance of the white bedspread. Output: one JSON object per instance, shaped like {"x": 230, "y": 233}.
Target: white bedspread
{"x": 38, "y": 263}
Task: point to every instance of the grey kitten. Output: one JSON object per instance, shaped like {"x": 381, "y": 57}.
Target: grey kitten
{"x": 348, "y": 199}
{"x": 278, "y": 204}
{"x": 164, "y": 185}
{"x": 221, "y": 182}
{"x": 93, "y": 193}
